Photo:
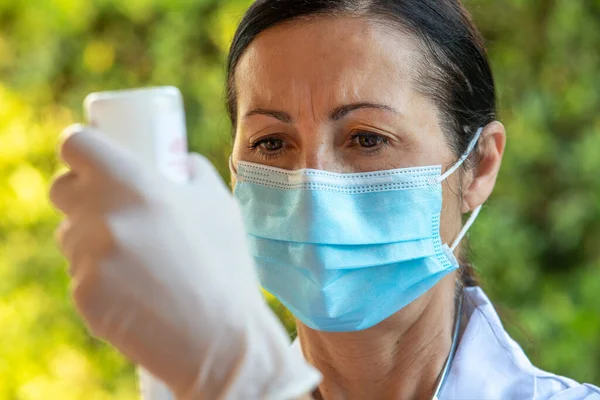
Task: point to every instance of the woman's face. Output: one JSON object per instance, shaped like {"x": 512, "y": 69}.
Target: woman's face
{"x": 338, "y": 94}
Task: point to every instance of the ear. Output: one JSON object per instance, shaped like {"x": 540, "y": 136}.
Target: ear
{"x": 481, "y": 183}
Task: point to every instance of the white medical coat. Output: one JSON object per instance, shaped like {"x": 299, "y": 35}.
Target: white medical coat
{"x": 488, "y": 364}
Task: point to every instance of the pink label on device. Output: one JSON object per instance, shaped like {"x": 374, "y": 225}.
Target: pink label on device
{"x": 171, "y": 145}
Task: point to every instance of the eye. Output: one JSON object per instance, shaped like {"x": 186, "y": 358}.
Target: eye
{"x": 269, "y": 144}
{"x": 268, "y": 147}
{"x": 367, "y": 139}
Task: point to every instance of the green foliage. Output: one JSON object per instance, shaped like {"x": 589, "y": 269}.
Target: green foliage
{"x": 537, "y": 243}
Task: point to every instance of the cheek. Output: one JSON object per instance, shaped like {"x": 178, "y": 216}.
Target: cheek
{"x": 451, "y": 209}
{"x": 235, "y": 156}
{"x": 236, "y": 151}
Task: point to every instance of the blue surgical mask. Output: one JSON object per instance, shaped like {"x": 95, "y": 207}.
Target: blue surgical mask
{"x": 343, "y": 252}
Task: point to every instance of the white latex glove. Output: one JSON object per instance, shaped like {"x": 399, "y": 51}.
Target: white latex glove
{"x": 161, "y": 270}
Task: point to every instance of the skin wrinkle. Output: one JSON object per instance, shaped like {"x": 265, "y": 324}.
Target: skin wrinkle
{"x": 352, "y": 85}
{"x": 352, "y": 81}
{"x": 323, "y": 63}
{"x": 428, "y": 70}
{"x": 441, "y": 338}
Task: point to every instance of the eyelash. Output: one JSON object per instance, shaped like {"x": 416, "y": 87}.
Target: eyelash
{"x": 357, "y": 135}
{"x": 354, "y": 137}
{"x": 266, "y": 155}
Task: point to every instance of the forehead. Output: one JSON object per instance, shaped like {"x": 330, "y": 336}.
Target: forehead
{"x": 328, "y": 61}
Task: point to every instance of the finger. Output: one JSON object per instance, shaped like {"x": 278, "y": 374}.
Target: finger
{"x": 84, "y": 242}
{"x": 90, "y": 300}
{"x": 59, "y": 235}
{"x": 66, "y": 150}
{"x": 64, "y": 192}
{"x": 106, "y": 309}
{"x": 64, "y": 237}
{"x": 87, "y": 150}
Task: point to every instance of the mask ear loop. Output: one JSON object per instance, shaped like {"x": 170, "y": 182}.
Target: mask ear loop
{"x": 449, "y": 172}
{"x": 462, "y": 158}
{"x": 465, "y": 228}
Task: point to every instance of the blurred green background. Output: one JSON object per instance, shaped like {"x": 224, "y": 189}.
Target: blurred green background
{"x": 536, "y": 245}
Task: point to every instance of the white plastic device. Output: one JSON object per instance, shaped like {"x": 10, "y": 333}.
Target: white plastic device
{"x": 151, "y": 123}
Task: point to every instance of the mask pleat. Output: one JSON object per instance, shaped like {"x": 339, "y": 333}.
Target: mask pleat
{"x": 344, "y": 251}
{"x": 334, "y": 257}
{"x": 369, "y": 218}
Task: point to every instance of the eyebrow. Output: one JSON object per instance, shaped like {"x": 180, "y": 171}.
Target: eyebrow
{"x": 280, "y": 115}
{"x": 340, "y": 112}
{"x": 336, "y": 114}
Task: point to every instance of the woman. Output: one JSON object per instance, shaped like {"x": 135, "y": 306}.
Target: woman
{"x": 364, "y": 131}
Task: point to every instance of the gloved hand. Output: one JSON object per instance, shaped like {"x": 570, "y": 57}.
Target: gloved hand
{"x": 161, "y": 271}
